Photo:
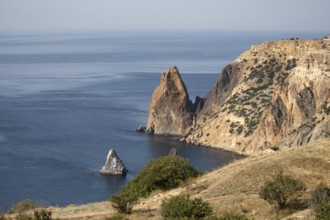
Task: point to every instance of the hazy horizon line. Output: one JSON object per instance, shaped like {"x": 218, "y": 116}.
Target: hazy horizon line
{"x": 45, "y": 31}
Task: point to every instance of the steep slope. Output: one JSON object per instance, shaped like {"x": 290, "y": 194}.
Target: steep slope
{"x": 275, "y": 94}
{"x": 233, "y": 187}
{"x": 170, "y": 110}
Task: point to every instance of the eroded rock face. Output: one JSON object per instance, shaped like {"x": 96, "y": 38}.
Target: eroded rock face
{"x": 113, "y": 165}
{"x": 275, "y": 94}
{"x": 170, "y": 110}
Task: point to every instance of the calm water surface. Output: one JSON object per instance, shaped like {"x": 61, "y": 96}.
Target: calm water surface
{"x": 66, "y": 99}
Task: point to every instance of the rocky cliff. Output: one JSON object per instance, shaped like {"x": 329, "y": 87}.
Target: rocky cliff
{"x": 276, "y": 94}
{"x": 170, "y": 110}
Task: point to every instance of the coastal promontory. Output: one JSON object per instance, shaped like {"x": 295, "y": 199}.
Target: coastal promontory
{"x": 274, "y": 95}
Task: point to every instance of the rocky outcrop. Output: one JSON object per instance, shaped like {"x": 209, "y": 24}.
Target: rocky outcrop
{"x": 172, "y": 152}
{"x": 113, "y": 165}
{"x": 141, "y": 128}
{"x": 170, "y": 110}
{"x": 275, "y": 94}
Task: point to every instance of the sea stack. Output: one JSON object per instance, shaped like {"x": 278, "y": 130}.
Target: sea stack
{"x": 170, "y": 110}
{"x": 113, "y": 165}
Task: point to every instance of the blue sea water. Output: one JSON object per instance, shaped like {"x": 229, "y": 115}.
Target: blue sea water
{"x": 66, "y": 99}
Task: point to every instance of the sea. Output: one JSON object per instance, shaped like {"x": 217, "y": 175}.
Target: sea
{"x": 66, "y": 99}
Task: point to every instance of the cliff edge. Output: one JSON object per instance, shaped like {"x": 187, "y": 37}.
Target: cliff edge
{"x": 274, "y": 95}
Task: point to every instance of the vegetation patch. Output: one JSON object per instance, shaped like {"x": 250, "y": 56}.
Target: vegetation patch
{"x": 163, "y": 173}
{"x": 250, "y": 103}
{"x": 326, "y": 108}
{"x": 321, "y": 194}
{"x": 182, "y": 207}
{"x": 281, "y": 189}
{"x": 228, "y": 216}
{"x": 37, "y": 215}
{"x": 322, "y": 211}
{"x": 22, "y": 206}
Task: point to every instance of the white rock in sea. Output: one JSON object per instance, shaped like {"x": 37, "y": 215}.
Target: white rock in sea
{"x": 113, "y": 165}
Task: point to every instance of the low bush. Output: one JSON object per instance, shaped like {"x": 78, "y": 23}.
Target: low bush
{"x": 183, "y": 207}
{"x": 239, "y": 129}
{"x": 320, "y": 194}
{"x": 280, "y": 189}
{"x": 37, "y": 215}
{"x": 22, "y": 206}
{"x": 163, "y": 173}
{"x": 228, "y": 216}
{"x": 23, "y": 216}
{"x": 275, "y": 148}
{"x": 42, "y": 215}
{"x": 123, "y": 203}
{"x": 322, "y": 211}
{"x": 115, "y": 217}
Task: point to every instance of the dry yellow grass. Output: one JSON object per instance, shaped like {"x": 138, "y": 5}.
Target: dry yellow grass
{"x": 231, "y": 188}
{"x": 98, "y": 210}
{"x": 235, "y": 187}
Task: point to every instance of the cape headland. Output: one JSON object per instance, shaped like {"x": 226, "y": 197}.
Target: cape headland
{"x": 274, "y": 95}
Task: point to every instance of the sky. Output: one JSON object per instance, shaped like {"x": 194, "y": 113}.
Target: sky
{"x": 80, "y": 15}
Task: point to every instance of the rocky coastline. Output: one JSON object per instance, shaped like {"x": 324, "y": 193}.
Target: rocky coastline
{"x": 273, "y": 96}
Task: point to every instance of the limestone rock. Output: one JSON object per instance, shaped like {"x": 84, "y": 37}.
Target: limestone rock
{"x": 275, "y": 94}
{"x": 141, "y": 128}
{"x": 113, "y": 165}
{"x": 170, "y": 110}
{"x": 172, "y": 152}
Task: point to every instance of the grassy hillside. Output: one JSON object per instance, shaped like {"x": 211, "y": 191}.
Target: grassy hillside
{"x": 234, "y": 187}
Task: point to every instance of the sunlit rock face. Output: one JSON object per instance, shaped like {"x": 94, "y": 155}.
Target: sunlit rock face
{"x": 113, "y": 165}
{"x": 170, "y": 110}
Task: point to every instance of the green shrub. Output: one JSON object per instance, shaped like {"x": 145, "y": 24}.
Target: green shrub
{"x": 231, "y": 131}
{"x": 163, "y": 173}
{"x": 322, "y": 211}
{"x": 294, "y": 38}
{"x": 23, "y": 216}
{"x": 239, "y": 129}
{"x": 22, "y": 206}
{"x": 281, "y": 189}
{"x": 228, "y": 216}
{"x": 115, "y": 217}
{"x": 319, "y": 195}
{"x": 271, "y": 74}
{"x": 278, "y": 68}
{"x": 326, "y": 108}
{"x": 275, "y": 148}
{"x": 259, "y": 80}
{"x": 183, "y": 207}
{"x": 42, "y": 215}
{"x": 37, "y": 215}
{"x": 123, "y": 203}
